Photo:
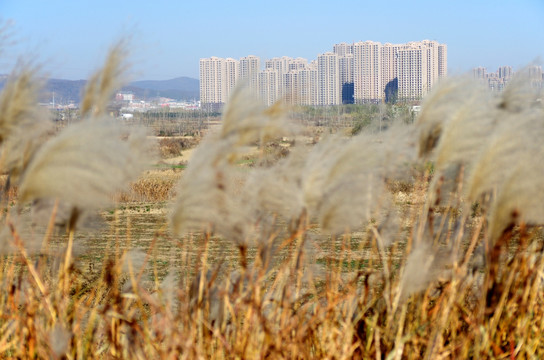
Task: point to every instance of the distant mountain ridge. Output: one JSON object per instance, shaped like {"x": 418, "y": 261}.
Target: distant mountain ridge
{"x": 66, "y": 91}
{"x": 181, "y": 88}
{"x": 179, "y": 83}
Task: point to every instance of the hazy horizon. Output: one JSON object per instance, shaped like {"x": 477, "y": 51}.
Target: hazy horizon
{"x": 168, "y": 39}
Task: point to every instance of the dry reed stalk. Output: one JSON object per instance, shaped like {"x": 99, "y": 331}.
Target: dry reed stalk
{"x": 375, "y": 300}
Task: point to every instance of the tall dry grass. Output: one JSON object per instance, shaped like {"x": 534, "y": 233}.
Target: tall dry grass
{"x": 350, "y": 248}
{"x": 151, "y": 186}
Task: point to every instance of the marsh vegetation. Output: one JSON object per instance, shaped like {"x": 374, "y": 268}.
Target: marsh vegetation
{"x": 418, "y": 239}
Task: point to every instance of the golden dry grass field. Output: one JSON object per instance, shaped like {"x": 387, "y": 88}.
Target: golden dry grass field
{"x": 409, "y": 238}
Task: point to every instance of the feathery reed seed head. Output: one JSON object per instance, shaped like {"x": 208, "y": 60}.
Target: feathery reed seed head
{"x": 24, "y": 126}
{"x": 438, "y": 107}
{"x": 211, "y": 193}
{"x": 104, "y": 82}
{"x": 86, "y": 163}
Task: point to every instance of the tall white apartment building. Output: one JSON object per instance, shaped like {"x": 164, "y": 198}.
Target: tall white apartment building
{"x": 420, "y": 65}
{"x": 249, "y": 69}
{"x": 345, "y": 63}
{"x": 296, "y": 80}
{"x": 412, "y": 72}
{"x": 495, "y": 81}
{"x": 362, "y": 72}
{"x": 269, "y": 86}
{"x": 442, "y": 61}
{"x": 281, "y": 65}
{"x": 366, "y": 72}
{"x": 231, "y": 76}
{"x": 298, "y": 63}
{"x": 301, "y": 85}
{"x": 388, "y": 62}
{"x": 535, "y": 76}
{"x": 328, "y": 74}
{"x": 342, "y": 49}
{"x": 431, "y": 48}
{"x": 212, "y": 81}
{"x": 505, "y": 72}
{"x": 345, "y": 68}
{"x": 310, "y": 82}
{"x": 292, "y": 87}
{"x": 479, "y": 72}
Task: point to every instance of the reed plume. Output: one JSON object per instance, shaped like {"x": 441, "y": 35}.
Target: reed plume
{"x": 470, "y": 123}
{"x": 519, "y": 200}
{"x": 103, "y": 83}
{"x": 277, "y": 189}
{"x": 517, "y": 140}
{"x": 4, "y": 34}
{"x": 482, "y": 133}
{"x": 320, "y": 296}
{"x": 85, "y": 164}
{"x": 18, "y": 100}
{"x": 207, "y": 195}
{"x": 23, "y": 124}
{"x": 211, "y": 191}
{"x": 344, "y": 180}
{"x": 437, "y": 109}
{"x": 520, "y": 94}
{"x": 247, "y": 120}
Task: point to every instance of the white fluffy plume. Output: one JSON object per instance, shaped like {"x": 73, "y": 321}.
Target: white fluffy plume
{"x": 85, "y": 164}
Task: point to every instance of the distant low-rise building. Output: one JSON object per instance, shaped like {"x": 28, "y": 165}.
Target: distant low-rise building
{"x": 124, "y": 96}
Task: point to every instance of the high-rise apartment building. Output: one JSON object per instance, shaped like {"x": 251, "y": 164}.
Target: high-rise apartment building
{"x": 345, "y": 68}
{"x": 495, "y": 81}
{"x": 292, "y": 87}
{"x": 536, "y": 76}
{"x": 420, "y": 65}
{"x": 431, "y": 51}
{"x": 412, "y": 72}
{"x": 298, "y": 63}
{"x": 309, "y": 83}
{"x": 505, "y": 72}
{"x": 345, "y": 65}
{"x": 249, "y": 71}
{"x": 301, "y": 85}
{"x": 442, "y": 60}
{"x": 362, "y": 72}
{"x": 479, "y": 72}
{"x": 212, "y": 82}
{"x": 231, "y": 76}
{"x": 388, "y": 68}
{"x": 284, "y": 65}
{"x": 281, "y": 65}
{"x": 366, "y": 72}
{"x": 342, "y": 49}
{"x": 328, "y": 74}
{"x": 269, "y": 86}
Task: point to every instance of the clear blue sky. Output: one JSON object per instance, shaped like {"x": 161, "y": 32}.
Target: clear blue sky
{"x": 168, "y": 38}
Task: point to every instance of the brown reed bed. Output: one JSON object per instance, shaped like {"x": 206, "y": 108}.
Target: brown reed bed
{"x": 420, "y": 241}
{"x": 152, "y": 186}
